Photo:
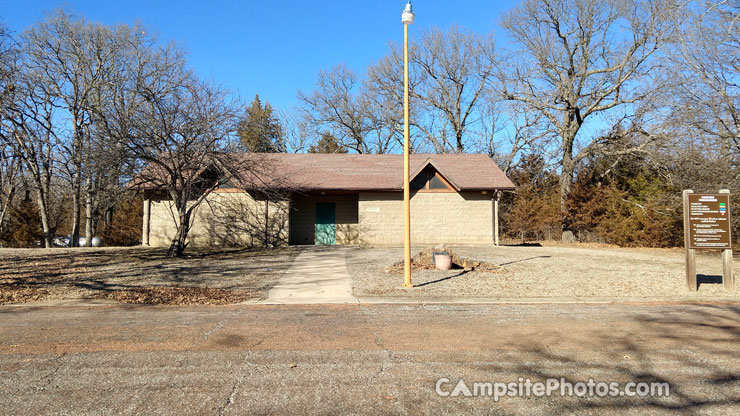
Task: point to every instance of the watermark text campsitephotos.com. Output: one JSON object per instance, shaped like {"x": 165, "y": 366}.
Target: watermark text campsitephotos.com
{"x": 550, "y": 387}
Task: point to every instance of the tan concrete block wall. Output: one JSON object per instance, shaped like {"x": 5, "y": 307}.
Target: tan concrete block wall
{"x": 162, "y": 223}
{"x": 436, "y": 218}
{"x": 374, "y": 219}
{"x": 303, "y": 218}
{"x": 223, "y": 219}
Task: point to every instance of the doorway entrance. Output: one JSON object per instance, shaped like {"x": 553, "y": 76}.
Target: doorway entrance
{"x": 325, "y": 223}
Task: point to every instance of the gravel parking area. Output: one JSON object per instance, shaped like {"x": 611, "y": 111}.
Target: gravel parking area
{"x": 141, "y": 275}
{"x": 560, "y": 272}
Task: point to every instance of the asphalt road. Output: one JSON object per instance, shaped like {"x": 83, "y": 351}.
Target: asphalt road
{"x": 362, "y": 359}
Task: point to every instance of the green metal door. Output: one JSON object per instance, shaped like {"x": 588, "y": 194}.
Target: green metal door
{"x": 325, "y": 224}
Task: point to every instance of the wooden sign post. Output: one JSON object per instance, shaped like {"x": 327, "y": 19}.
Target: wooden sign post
{"x": 707, "y": 226}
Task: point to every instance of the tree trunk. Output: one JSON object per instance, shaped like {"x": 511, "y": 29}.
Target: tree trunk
{"x": 566, "y": 183}
{"x": 44, "y": 217}
{"x": 76, "y": 208}
{"x": 6, "y": 206}
{"x": 89, "y": 211}
{"x": 267, "y": 223}
{"x": 177, "y": 248}
{"x": 108, "y": 217}
{"x": 89, "y": 230}
{"x": 76, "y": 184}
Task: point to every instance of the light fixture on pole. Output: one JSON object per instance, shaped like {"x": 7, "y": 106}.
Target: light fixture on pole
{"x": 407, "y": 17}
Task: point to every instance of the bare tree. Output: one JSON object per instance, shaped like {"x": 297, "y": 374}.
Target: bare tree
{"x": 455, "y": 66}
{"x": 295, "y": 130}
{"x": 27, "y": 118}
{"x": 182, "y": 132}
{"x": 27, "y": 132}
{"x": 9, "y": 162}
{"x": 109, "y": 164}
{"x": 586, "y": 66}
{"x": 384, "y": 92}
{"x": 705, "y": 60}
{"x": 510, "y": 130}
{"x": 449, "y": 79}
{"x": 9, "y": 174}
{"x": 73, "y": 59}
{"x": 8, "y": 56}
{"x": 384, "y": 123}
{"x": 86, "y": 71}
{"x": 450, "y": 72}
{"x": 337, "y": 105}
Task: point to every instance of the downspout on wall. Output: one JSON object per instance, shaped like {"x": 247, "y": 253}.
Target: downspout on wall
{"x": 495, "y": 200}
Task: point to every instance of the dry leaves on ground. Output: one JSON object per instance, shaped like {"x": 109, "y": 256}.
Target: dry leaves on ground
{"x": 177, "y": 296}
{"x": 10, "y": 295}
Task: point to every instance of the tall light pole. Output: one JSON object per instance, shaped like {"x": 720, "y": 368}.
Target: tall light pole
{"x": 407, "y": 17}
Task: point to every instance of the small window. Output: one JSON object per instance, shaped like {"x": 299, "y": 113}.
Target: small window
{"x": 226, "y": 182}
{"x": 429, "y": 180}
{"x": 435, "y": 182}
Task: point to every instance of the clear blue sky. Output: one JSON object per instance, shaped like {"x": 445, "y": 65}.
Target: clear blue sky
{"x": 270, "y": 48}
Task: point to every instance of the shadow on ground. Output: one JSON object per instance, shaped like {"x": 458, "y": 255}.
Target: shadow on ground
{"x": 94, "y": 272}
{"x": 711, "y": 279}
{"x": 698, "y": 357}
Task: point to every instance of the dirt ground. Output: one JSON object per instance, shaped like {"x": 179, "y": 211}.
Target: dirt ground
{"x": 146, "y": 276}
{"x": 535, "y": 272}
{"x": 140, "y": 275}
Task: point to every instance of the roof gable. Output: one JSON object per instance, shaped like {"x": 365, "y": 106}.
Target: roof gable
{"x": 361, "y": 172}
{"x": 430, "y": 162}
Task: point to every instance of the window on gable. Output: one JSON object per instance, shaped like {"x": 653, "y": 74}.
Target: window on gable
{"x": 430, "y": 180}
{"x": 226, "y": 182}
{"x": 436, "y": 182}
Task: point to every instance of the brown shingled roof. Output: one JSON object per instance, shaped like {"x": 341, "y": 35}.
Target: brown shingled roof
{"x": 353, "y": 172}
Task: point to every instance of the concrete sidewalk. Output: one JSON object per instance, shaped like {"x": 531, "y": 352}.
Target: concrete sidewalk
{"x": 318, "y": 275}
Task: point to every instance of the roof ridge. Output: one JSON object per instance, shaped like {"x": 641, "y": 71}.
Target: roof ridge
{"x": 367, "y": 172}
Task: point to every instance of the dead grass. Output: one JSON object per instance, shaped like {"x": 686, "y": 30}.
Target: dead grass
{"x": 562, "y": 271}
{"x": 141, "y": 275}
